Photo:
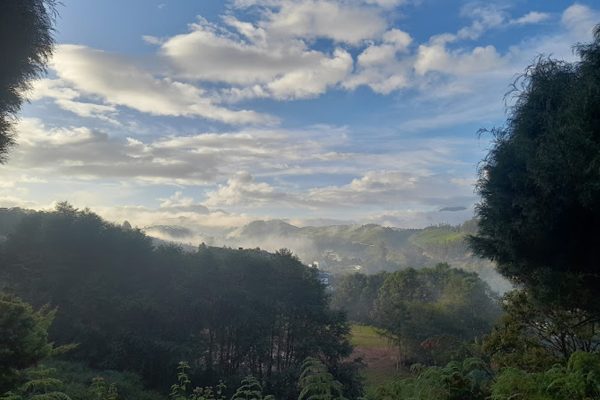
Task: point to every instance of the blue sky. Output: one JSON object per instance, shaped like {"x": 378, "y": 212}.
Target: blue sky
{"x": 211, "y": 114}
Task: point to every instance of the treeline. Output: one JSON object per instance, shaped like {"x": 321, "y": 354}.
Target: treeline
{"x": 130, "y": 306}
{"x": 431, "y": 314}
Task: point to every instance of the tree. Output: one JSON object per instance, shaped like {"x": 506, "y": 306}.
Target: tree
{"x": 578, "y": 380}
{"x": 23, "y": 338}
{"x": 26, "y": 43}
{"x": 469, "y": 379}
{"x": 540, "y": 183}
{"x": 533, "y": 335}
{"x": 356, "y": 294}
{"x": 133, "y": 306}
{"x": 316, "y": 383}
{"x": 421, "y": 310}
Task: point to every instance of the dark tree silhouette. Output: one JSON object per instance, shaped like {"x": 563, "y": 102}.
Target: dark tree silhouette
{"x": 540, "y": 183}
{"x": 26, "y": 43}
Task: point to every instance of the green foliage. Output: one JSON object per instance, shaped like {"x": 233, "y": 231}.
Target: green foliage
{"x": 426, "y": 312}
{"x": 250, "y": 389}
{"x": 26, "y": 44}
{"x": 367, "y": 336}
{"x": 132, "y": 306}
{"x": 102, "y": 390}
{"x": 532, "y": 335}
{"x": 23, "y": 338}
{"x": 356, "y": 295}
{"x": 579, "y": 380}
{"x": 316, "y": 383}
{"x": 40, "y": 384}
{"x": 466, "y": 380}
{"x": 540, "y": 183}
{"x": 82, "y": 383}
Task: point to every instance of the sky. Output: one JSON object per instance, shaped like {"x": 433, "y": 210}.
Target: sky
{"x": 212, "y": 114}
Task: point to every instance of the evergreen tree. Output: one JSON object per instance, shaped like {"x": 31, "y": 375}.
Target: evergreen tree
{"x": 540, "y": 183}
{"x": 26, "y": 44}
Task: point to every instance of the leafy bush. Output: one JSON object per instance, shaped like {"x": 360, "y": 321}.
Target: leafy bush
{"x": 578, "y": 380}
{"x": 466, "y": 380}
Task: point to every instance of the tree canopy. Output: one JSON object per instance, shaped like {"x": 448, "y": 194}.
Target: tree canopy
{"x": 23, "y": 338}
{"x": 132, "y": 306}
{"x": 26, "y": 43}
{"x": 540, "y": 183}
{"x": 424, "y": 311}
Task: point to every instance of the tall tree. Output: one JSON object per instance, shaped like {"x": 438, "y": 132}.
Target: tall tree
{"x": 421, "y": 310}
{"x": 540, "y": 183}
{"x": 23, "y": 338}
{"x": 26, "y": 43}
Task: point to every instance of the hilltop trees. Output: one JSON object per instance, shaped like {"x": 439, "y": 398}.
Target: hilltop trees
{"x": 540, "y": 184}
{"x": 131, "y": 306}
{"x": 26, "y": 43}
{"x": 428, "y": 312}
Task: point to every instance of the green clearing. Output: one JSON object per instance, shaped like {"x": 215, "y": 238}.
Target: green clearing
{"x": 366, "y": 336}
{"x": 379, "y": 355}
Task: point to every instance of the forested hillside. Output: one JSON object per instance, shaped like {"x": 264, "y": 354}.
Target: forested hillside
{"x": 130, "y": 306}
{"x": 340, "y": 249}
{"x": 504, "y": 306}
{"x": 343, "y": 249}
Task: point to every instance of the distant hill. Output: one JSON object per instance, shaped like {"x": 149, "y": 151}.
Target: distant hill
{"x": 337, "y": 249}
{"x": 369, "y": 248}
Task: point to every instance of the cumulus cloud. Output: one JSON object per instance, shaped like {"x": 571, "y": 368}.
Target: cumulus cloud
{"x": 532, "y": 17}
{"x": 119, "y": 81}
{"x": 374, "y": 187}
{"x": 339, "y": 21}
{"x": 395, "y": 187}
{"x": 67, "y": 98}
{"x": 438, "y": 58}
{"x": 242, "y": 188}
{"x": 179, "y": 202}
{"x": 83, "y": 152}
{"x": 580, "y": 20}
{"x": 485, "y": 17}
{"x": 262, "y": 64}
{"x": 378, "y": 66}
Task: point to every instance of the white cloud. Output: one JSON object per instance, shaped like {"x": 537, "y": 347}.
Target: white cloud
{"x": 119, "y": 81}
{"x": 378, "y": 66}
{"x": 438, "y": 58}
{"x": 484, "y": 17}
{"x": 532, "y": 17}
{"x": 580, "y": 20}
{"x": 264, "y": 65}
{"x": 179, "y": 202}
{"x": 66, "y": 98}
{"x": 395, "y": 187}
{"x": 404, "y": 189}
{"x": 80, "y": 152}
{"x": 242, "y": 189}
{"x": 339, "y": 21}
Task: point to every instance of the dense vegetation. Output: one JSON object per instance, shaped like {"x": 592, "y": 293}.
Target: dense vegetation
{"x": 539, "y": 212}
{"x": 538, "y": 221}
{"x": 369, "y": 249}
{"x": 92, "y": 310}
{"x": 130, "y": 306}
{"x": 427, "y": 313}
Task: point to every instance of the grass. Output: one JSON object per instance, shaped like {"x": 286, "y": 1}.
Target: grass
{"x": 376, "y": 351}
{"x": 366, "y": 336}
{"x": 439, "y": 237}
